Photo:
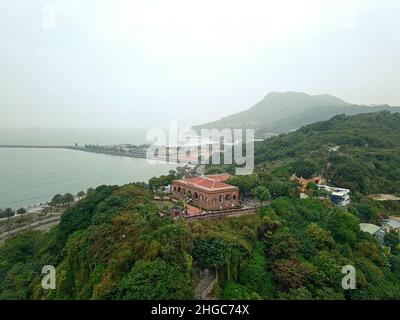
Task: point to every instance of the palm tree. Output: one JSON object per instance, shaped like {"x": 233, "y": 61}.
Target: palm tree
{"x": 8, "y": 212}
{"x": 81, "y": 194}
{"x": 46, "y": 210}
{"x": 68, "y": 198}
{"x": 57, "y": 200}
{"x": 21, "y": 211}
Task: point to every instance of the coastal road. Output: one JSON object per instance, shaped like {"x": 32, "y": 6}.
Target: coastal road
{"x": 44, "y": 225}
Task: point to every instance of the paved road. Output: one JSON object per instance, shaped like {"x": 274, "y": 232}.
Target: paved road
{"x": 207, "y": 282}
{"x": 223, "y": 214}
{"x": 45, "y": 225}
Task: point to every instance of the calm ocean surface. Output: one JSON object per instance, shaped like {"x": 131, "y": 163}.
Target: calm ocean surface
{"x": 31, "y": 176}
{"x": 71, "y": 136}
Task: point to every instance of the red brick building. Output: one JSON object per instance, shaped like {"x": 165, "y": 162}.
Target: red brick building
{"x": 207, "y": 192}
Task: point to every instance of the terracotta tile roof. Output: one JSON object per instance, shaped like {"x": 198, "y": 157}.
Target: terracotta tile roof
{"x": 222, "y": 177}
{"x": 208, "y": 182}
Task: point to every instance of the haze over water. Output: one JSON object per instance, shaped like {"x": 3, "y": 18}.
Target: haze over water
{"x": 31, "y": 176}
{"x": 41, "y": 136}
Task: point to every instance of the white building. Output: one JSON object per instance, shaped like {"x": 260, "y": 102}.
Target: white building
{"x": 340, "y": 197}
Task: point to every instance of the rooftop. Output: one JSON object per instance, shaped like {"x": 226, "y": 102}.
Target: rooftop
{"x": 392, "y": 223}
{"x": 222, "y": 177}
{"x": 369, "y": 227}
{"x": 208, "y": 183}
{"x": 340, "y": 193}
{"x": 335, "y": 191}
{"x": 380, "y": 233}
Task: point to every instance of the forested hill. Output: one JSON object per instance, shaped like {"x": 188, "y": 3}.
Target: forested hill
{"x": 113, "y": 244}
{"x": 361, "y": 152}
{"x": 283, "y": 112}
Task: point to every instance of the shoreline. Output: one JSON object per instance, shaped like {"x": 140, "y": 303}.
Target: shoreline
{"x": 76, "y": 148}
{"x": 138, "y": 155}
{"x": 35, "y": 208}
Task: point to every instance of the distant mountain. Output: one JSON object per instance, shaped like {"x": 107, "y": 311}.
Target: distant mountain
{"x": 283, "y": 112}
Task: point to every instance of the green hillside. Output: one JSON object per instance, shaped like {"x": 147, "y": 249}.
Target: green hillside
{"x": 283, "y": 112}
{"x": 368, "y": 160}
{"x": 114, "y": 245}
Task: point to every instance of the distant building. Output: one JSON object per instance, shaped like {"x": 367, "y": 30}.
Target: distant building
{"x": 207, "y": 192}
{"x": 304, "y": 182}
{"x": 391, "y": 225}
{"x": 340, "y": 197}
{"x": 372, "y": 229}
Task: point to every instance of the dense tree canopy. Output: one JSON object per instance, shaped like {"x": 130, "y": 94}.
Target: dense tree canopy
{"x": 113, "y": 244}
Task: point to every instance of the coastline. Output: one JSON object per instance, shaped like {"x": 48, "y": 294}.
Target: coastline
{"x": 140, "y": 154}
{"x": 36, "y": 208}
{"x": 76, "y": 148}
{"x": 67, "y": 173}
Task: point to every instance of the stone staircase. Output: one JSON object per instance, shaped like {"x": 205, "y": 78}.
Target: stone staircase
{"x": 208, "y": 279}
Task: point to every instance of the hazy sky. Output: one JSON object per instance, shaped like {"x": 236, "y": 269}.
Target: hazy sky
{"x": 116, "y": 63}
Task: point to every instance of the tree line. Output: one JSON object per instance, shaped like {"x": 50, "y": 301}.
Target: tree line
{"x": 9, "y": 212}
{"x": 57, "y": 201}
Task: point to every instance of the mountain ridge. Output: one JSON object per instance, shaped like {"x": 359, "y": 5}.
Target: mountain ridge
{"x": 280, "y": 112}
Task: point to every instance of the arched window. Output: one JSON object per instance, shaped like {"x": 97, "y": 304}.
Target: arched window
{"x": 174, "y": 188}
{"x": 179, "y": 189}
{"x": 228, "y": 197}
{"x": 201, "y": 197}
{"x": 234, "y": 197}
{"x": 221, "y": 198}
{"x": 196, "y": 195}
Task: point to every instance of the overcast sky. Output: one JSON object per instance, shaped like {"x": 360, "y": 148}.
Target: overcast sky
{"x": 127, "y": 63}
